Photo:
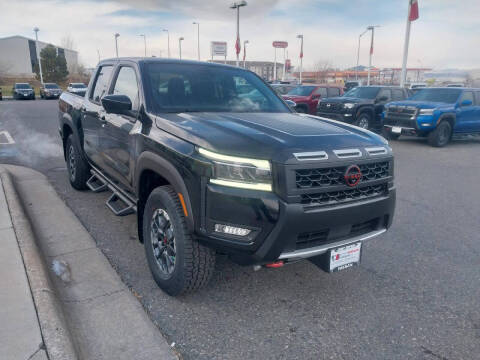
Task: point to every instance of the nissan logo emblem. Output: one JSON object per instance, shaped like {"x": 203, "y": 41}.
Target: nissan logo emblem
{"x": 352, "y": 175}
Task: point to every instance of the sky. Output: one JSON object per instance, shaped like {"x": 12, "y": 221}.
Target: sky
{"x": 445, "y": 35}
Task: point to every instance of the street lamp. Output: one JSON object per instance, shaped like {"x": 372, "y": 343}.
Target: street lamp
{"x": 116, "y": 43}
{"x": 244, "y": 52}
{"x": 144, "y": 42}
{"x": 358, "y": 53}
{"x": 198, "y": 38}
{"x": 372, "y": 28}
{"x": 36, "y": 29}
{"x": 180, "y": 46}
{"x": 237, "y": 5}
{"x": 301, "y": 56}
{"x": 168, "y": 39}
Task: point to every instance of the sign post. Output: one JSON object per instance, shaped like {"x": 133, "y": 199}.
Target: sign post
{"x": 219, "y": 48}
{"x": 279, "y": 45}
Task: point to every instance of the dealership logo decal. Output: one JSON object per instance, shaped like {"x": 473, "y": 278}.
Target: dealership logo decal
{"x": 353, "y": 175}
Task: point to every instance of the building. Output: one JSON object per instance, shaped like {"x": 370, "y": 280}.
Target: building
{"x": 18, "y": 56}
{"x": 264, "y": 69}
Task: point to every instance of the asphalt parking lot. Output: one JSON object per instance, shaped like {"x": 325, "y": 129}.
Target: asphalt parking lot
{"x": 415, "y": 295}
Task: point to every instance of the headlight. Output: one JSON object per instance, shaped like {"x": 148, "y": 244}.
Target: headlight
{"x": 348, "y": 105}
{"x": 426, "y": 111}
{"x": 240, "y": 172}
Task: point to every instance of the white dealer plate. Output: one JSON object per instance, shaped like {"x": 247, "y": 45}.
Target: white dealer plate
{"x": 396, "y": 130}
{"x": 344, "y": 257}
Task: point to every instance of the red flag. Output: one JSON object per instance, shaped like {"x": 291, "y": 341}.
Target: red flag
{"x": 413, "y": 10}
{"x": 237, "y": 45}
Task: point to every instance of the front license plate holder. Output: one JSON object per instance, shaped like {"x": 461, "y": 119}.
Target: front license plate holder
{"x": 344, "y": 257}
{"x": 396, "y": 130}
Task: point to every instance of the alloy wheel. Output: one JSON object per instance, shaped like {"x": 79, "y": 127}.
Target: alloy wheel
{"x": 163, "y": 241}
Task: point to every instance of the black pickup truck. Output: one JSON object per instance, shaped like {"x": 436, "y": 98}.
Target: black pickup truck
{"x": 361, "y": 106}
{"x": 209, "y": 169}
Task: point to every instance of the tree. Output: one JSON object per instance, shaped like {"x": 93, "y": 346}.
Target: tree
{"x": 54, "y": 66}
{"x": 321, "y": 69}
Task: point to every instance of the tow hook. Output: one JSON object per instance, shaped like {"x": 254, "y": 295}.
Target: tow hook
{"x": 276, "y": 264}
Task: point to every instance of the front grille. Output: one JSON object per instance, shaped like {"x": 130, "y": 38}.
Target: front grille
{"x": 344, "y": 196}
{"x": 400, "y": 116}
{"x": 334, "y": 107}
{"x": 323, "y": 177}
{"x": 317, "y": 238}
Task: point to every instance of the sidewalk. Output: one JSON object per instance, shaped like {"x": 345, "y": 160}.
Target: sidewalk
{"x": 83, "y": 309}
{"x": 20, "y": 335}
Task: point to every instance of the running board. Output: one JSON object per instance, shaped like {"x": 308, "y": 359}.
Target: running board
{"x": 96, "y": 184}
{"x": 120, "y": 203}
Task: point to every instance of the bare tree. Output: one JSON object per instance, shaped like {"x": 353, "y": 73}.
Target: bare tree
{"x": 321, "y": 69}
{"x": 67, "y": 42}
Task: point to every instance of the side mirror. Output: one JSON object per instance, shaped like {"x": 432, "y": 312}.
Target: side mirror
{"x": 291, "y": 104}
{"x": 116, "y": 104}
{"x": 466, "y": 103}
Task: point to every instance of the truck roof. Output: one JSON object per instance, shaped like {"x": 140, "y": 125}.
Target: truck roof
{"x": 167, "y": 61}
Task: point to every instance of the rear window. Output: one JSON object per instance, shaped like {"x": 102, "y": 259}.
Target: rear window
{"x": 333, "y": 92}
{"x": 22, "y": 86}
{"x": 321, "y": 91}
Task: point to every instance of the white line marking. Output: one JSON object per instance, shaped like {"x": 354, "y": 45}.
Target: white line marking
{"x": 8, "y": 137}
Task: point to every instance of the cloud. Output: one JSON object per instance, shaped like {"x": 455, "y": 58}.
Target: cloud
{"x": 445, "y": 36}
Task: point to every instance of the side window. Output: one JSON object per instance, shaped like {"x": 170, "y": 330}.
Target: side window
{"x": 477, "y": 98}
{"x": 333, "y": 92}
{"x": 126, "y": 84}
{"x": 384, "y": 92}
{"x": 397, "y": 94}
{"x": 101, "y": 83}
{"x": 467, "y": 95}
{"x": 321, "y": 91}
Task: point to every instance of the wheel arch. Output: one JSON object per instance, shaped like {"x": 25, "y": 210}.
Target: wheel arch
{"x": 151, "y": 164}
{"x": 450, "y": 117}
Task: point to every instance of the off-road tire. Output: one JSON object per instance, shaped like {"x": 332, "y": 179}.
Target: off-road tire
{"x": 81, "y": 171}
{"x": 441, "y": 136}
{"x": 194, "y": 263}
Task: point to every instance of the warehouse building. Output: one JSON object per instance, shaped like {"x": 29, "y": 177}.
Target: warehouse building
{"x": 18, "y": 56}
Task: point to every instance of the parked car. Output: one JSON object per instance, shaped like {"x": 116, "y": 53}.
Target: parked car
{"x": 362, "y": 106}
{"x": 349, "y": 85}
{"x": 456, "y": 85}
{"x": 23, "y": 91}
{"x": 208, "y": 170}
{"x": 282, "y": 89}
{"x": 435, "y": 113}
{"x": 415, "y": 87}
{"x": 50, "y": 91}
{"x": 77, "y": 88}
{"x": 307, "y": 96}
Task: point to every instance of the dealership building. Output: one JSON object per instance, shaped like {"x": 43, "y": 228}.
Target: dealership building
{"x": 18, "y": 56}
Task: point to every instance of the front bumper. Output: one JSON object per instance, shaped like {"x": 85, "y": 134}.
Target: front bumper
{"x": 277, "y": 225}
{"x": 344, "y": 117}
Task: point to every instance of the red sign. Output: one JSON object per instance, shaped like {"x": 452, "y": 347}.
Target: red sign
{"x": 280, "y": 44}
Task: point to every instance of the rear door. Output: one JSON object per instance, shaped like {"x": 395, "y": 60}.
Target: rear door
{"x": 93, "y": 115}
{"x": 118, "y": 145}
{"x": 466, "y": 114}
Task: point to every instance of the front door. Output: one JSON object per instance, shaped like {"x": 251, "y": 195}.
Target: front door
{"x": 118, "y": 143}
{"x": 465, "y": 119}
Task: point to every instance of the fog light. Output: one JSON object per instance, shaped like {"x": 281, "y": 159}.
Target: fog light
{"x": 231, "y": 230}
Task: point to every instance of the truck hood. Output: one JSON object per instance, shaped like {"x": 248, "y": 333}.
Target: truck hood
{"x": 344, "y": 100}
{"x": 421, "y": 104}
{"x": 273, "y": 136}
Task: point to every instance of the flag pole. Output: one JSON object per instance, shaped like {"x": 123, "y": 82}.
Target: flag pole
{"x": 405, "y": 47}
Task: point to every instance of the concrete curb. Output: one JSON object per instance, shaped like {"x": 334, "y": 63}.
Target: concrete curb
{"x": 96, "y": 315}
{"x": 55, "y": 333}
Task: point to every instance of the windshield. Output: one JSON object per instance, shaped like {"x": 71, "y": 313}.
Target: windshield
{"x": 77, "y": 86}
{"x": 448, "y": 96}
{"x": 301, "y": 90}
{"x": 196, "y": 88}
{"x": 51, "y": 86}
{"x": 22, "y": 86}
{"x": 363, "y": 92}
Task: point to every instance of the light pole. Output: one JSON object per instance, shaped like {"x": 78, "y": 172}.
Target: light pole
{"x": 180, "y": 46}
{"x": 237, "y": 5}
{"x": 116, "y": 43}
{"x": 144, "y": 42}
{"x": 284, "y": 64}
{"x": 98, "y": 52}
{"x": 36, "y": 29}
{"x": 244, "y": 52}
{"x": 358, "y": 53}
{"x": 198, "y": 39}
{"x": 301, "y": 56}
{"x": 372, "y": 28}
{"x": 168, "y": 41}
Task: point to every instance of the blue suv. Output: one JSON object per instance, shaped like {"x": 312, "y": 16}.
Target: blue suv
{"x": 435, "y": 113}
